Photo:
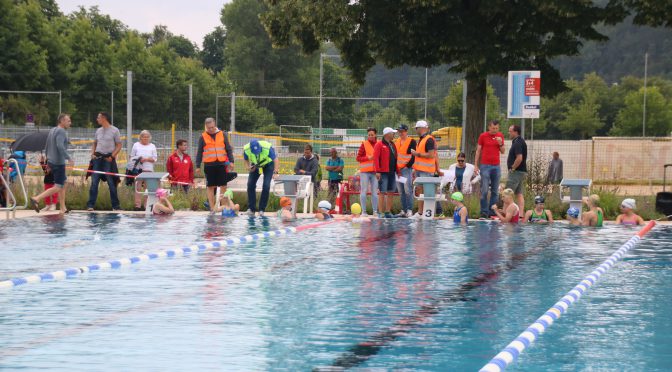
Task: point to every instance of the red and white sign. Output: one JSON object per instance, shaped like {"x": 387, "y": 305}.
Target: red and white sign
{"x": 533, "y": 87}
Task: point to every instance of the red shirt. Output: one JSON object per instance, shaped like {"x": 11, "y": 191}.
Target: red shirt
{"x": 382, "y": 158}
{"x": 180, "y": 170}
{"x": 490, "y": 148}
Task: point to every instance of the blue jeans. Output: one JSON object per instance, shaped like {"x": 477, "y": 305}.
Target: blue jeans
{"x": 103, "y": 166}
{"x": 265, "y": 190}
{"x": 406, "y": 190}
{"x": 490, "y": 176}
{"x": 366, "y": 179}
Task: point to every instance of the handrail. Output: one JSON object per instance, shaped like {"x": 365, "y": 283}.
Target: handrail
{"x": 10, "y": 194}
{"x": 23, "y": 189}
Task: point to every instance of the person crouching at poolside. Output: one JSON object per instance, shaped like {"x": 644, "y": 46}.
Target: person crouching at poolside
{"x": 285, "y": 212}
{"x": 163, "y": 206}
{"x": 510, "y": 211}
{"x": 595, "y": 215}
{"x": 573, "y": 216}
{"x": 628, "y": 216}
{"x": 538, "y": 214}
{"x": 323, "y": 209}
{"x": 226, "y": 205}
{"x": 356, "y": 215}
{"x": 461, "y": 215}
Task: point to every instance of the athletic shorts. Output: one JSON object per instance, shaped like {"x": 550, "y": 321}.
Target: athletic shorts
{"x": 215, "y": 175}
{"x": 387, "y": 182}
{"x": 59, "y": 174}
{"x": 516, "y": 181}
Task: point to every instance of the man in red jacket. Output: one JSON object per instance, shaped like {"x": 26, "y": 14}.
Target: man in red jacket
{"x": 180, "y": 168}
{"x": 385, "y": 162}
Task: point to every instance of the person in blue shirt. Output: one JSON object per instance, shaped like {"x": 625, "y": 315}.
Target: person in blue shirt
{"x": 259, "y": 158}
{"x": 335, "y": 167}
{"x": 461, "y": 215}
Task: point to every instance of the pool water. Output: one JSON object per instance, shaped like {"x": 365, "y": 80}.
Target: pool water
{"x": 385, "y": 295}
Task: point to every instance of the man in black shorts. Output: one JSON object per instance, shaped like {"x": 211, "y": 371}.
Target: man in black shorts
{"x": 216, "y": 154}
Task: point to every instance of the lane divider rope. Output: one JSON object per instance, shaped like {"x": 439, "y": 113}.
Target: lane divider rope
{"x": 170, "y": 253}
{"x": 511, "y": 352}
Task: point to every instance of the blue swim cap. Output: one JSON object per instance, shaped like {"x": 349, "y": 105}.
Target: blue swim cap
{"x": 573, "y": 212}
{"x": 228, "y": 213}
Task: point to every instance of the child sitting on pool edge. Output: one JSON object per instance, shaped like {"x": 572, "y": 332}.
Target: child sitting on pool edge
{"x": 226, "y": 205}
{"x": 285, "y": 211}
{"x": 573, "y": 216}
{"x": 163, "y": 205}
{"x": 628, "y": 215}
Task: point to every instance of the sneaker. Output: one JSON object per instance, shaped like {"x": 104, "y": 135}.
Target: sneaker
{"x": 484, "y": 216}
{"x": 401, "y": 214}
{"x": 89, "y": 209}
{"x": 118, "y": 209}
{"x": 409, "y": 213}
{"x": 416, "y": 216}
{"x": 364, "y": 214}
{"x": 388, "y": 215}
{"x": 261, "y": 213}
{"x": 250, "y": 213}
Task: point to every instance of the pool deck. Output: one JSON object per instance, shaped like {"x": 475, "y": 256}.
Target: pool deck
{"x": 22, "y": 213}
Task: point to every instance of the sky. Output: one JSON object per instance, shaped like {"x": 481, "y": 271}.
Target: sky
{"x": 194, "y": 20}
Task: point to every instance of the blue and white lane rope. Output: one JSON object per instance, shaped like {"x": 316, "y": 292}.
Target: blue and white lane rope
{"x": 170, "y": 253}
{"x": 525, "y": 339}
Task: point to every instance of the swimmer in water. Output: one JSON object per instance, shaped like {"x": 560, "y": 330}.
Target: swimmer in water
{"x": 628, "y": 215}
{"x": 163, "y": 205}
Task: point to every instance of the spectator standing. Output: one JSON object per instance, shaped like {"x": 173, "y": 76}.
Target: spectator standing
{"x": 405, "y": 145}
{"x": 486, "y": 164}
{"x": 308, "y": 165}
{"x": 216, "y": 154}
{"x": 385, "y": 162}
{"x": 516, "y": 162}
{"x": 335, "y": 167}
{"x": 57, "y": 157}
{"x": 367, "y": 171}
{"x": 106, "y": 147}
{"x": 555, "y": 169}
{"x": 425, "y": 164}
{"x": 144, "y": 152}
{"x": 259, "y": 157}
{"x": 50, "y": 201}
{"x": 180, "y": 167}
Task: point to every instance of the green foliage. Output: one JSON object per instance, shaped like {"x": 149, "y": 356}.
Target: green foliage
{"x": 658, "y": 114}
{"x": 452, "y": 105}
{"x": 212, "y": 54}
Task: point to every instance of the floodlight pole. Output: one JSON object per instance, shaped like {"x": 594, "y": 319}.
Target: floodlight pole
{"x": 426, "y": 93}
{"x": 646, "y": 63}
{"x": 129, "y": 111}
{"x": 191, "y": 118}
{"x": 112, "y": 106}
{"x": 321, "y": 84}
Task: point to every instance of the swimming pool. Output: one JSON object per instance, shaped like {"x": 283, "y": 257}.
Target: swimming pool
{"x": 389, "y": 295}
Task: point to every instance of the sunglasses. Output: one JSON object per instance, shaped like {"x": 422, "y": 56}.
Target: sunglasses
{"x": 460, "y": 160}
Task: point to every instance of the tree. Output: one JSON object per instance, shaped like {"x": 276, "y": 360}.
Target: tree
{"x": 658, "y": 114}
{"x": 453, "y": 105}
{"x": 650, "y": 12}
{"x": 582, "y": 120}
{"x": 477, "y": 38}
{"x": 212, "y": 54}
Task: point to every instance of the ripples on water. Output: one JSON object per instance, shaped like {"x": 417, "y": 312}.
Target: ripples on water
{"x": 391, "y": 295}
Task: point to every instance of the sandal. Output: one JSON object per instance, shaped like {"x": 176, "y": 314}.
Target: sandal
{"x": 35, "y": 204}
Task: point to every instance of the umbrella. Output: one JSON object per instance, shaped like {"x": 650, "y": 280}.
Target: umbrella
{"x": 35, "y": 141}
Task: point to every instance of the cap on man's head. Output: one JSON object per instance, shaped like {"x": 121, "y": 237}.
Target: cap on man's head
{"x": 255, "y": 147}
{"x": 421, "y": 124}
{"x": 403, "y": 127}
{"x": 388, "y": 130}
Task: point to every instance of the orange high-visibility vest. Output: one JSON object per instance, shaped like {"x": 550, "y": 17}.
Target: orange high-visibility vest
{"x": 214, "y": 150}
{"x": 425, "y": 164}
{"x": 367, "y": 166}
{"x": 403, "y": 158}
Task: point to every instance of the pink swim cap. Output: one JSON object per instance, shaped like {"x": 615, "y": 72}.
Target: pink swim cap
{"x": 161, "y": 193}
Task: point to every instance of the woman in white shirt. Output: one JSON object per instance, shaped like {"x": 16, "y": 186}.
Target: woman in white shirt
{"x": 146, "y": 153}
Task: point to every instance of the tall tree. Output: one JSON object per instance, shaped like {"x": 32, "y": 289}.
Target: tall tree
{"x": 658, "y": 114}
{"x": 477, "y": 38}
{"x": 212, "y": 54}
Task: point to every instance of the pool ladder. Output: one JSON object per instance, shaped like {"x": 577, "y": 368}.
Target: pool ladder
{"x": 12, "y": 206}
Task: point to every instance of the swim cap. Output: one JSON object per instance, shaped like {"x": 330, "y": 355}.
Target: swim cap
{"x": 161, "y": 193}
{"x": 285, "y": 202}
{"x": 573, "y": 212}
{"x": 228, "y": 212}
{"x": 324, "y": 205}
{"x": 457, "y": 196}
{"x": 229, "y": 194}
{"x": 355, "y": 208}
{"x": 629, "y": 203}
{"x": 539, "y": 199}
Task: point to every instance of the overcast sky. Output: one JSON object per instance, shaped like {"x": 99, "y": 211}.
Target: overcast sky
{"x": 193, "y": 19}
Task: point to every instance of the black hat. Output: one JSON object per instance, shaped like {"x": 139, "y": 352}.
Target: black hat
{"x": 403, "y": 127}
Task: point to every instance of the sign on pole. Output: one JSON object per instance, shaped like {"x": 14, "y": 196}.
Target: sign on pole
{"x": 524, "y": 95}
